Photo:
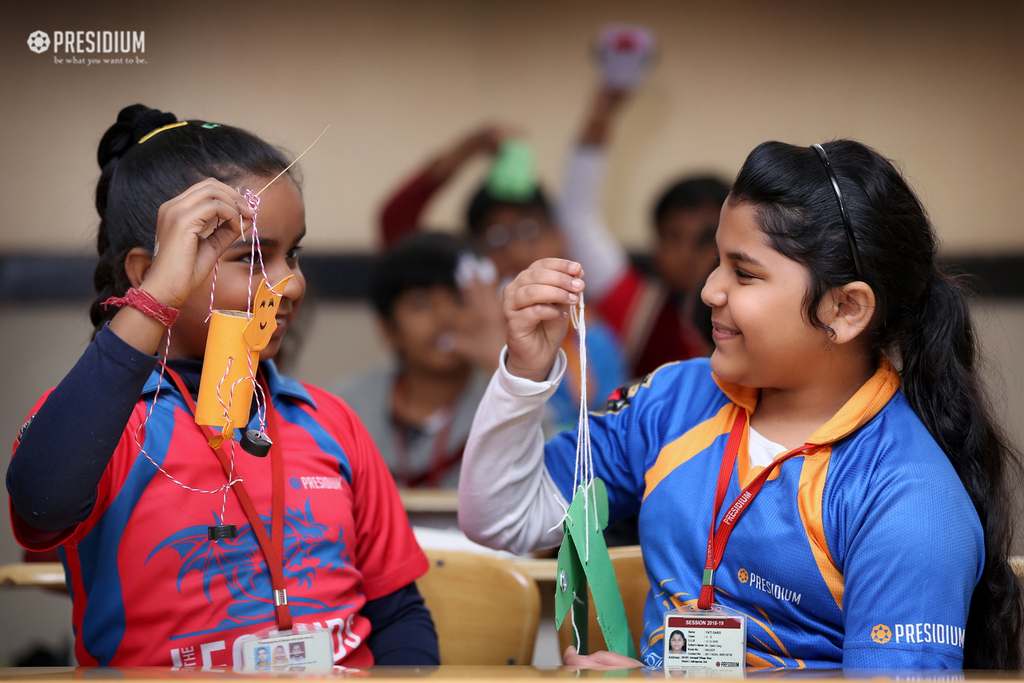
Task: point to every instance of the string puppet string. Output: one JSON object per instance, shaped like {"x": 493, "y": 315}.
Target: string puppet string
{"x": 583, "y": 475}
{"x": 584, "y": 471}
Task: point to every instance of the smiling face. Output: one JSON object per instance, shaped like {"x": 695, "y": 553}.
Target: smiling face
{"x": 282, "y": 224}
{"x": 675, "y": 643}
{"x": 757, "y": 296}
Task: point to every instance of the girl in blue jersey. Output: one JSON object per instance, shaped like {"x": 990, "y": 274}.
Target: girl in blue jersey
{"x": 107, "y": 466}
{"x": 883, "y": 540}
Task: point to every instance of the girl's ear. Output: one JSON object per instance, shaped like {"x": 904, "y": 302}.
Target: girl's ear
{"x": 136, "y": 265}
{"x": 851, "y": 310}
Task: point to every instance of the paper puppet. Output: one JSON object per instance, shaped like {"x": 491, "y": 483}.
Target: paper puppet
{"x": 582, "y": 559}
{"x": 232, "y": 353}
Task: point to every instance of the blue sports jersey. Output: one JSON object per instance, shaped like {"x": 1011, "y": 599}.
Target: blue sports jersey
{"x": 863, "y": 552}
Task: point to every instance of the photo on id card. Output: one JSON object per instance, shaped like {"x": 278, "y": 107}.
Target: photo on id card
{"x": 292, "y": 652}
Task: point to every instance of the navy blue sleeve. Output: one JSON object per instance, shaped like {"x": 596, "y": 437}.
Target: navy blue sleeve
{"x": 65, "y": 447}
{"x": 401, "y": 629}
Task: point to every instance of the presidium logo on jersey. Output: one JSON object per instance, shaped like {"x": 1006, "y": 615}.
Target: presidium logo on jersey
{"x": 772, "y": 589}
{"x": 919, "y": 632}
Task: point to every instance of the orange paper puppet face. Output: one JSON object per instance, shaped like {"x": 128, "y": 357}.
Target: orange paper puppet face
{"x": 261, "y": 327}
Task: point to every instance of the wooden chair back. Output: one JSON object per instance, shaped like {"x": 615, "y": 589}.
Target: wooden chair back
{"x": 631, "y": 575}
{"x": 485, "y": 608}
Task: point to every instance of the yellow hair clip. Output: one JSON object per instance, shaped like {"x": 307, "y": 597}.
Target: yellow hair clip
{"x": 162, "y": 129}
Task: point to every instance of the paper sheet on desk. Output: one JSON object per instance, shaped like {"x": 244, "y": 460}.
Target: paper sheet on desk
{"x": 452, "y": 539}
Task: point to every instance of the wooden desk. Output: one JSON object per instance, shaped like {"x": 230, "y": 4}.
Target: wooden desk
{"x": 430, "y": 500}
{"x": 33, "y": 574}
{"x": 481, "y": 674}
{"x": 541, "y": 570}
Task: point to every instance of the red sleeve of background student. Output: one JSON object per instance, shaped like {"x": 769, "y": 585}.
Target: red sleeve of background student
{"x": 618, "y": 305}
{"x": 403, "y": 210}
{"x": 386, "y": 551}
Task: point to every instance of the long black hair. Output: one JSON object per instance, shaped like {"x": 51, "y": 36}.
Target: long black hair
{"x": 921, "y": 322}
{"x": 138, "y": 177}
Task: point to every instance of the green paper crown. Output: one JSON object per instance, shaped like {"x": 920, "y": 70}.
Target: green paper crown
{"x": 513, "y": 177}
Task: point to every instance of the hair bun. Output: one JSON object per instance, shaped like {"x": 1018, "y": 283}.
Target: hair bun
{"x": 133, "y": 123}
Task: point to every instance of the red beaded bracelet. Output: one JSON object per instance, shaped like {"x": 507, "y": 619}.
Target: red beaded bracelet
{"x": 142, "y": 300}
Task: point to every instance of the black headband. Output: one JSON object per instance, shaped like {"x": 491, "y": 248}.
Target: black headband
{"x": 842, "y": 209}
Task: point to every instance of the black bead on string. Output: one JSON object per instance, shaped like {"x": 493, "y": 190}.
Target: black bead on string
{"x": 221, "y": 532}
{"x": 256, "y": 443}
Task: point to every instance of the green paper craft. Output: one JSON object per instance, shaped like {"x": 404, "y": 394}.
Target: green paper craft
{"x": 512, "y": 176}
{"x": 574, "y": 573}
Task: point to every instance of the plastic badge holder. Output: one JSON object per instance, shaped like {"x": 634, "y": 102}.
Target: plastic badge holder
{"x": 307, "y": 651}
{"x": 713, "y": 643}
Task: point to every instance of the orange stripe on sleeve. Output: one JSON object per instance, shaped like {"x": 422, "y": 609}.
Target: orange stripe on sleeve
{"x": 676, "y": 452}
{"x": 809, "y": 497}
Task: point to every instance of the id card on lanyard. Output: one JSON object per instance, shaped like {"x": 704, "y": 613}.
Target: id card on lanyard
{"x": 711, "y": 635}
{"x": 306, "y": 647}
{"x": 713, "y": 641}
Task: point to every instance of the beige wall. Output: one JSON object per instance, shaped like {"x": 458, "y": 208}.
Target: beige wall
{"x": 936, "y": 85}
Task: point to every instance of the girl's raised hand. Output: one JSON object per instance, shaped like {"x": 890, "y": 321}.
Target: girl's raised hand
{"x": 192, "y": 231}
{"x": 536, "y": 306}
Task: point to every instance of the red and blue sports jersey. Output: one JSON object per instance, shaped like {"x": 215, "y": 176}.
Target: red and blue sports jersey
{"x": 862, "y": 552}
{"x": 148, "y": 586}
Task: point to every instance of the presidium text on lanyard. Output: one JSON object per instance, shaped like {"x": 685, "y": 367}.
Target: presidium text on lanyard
{"x": 718, "y": 539}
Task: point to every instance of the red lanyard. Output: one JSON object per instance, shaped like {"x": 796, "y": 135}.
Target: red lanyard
{"x": 272, "y": 552}
{"x": 718, "y": 539}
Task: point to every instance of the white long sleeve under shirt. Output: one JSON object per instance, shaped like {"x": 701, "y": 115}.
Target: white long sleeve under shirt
{"x": 507, "y": 499}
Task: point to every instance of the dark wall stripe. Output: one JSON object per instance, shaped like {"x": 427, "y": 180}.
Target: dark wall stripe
{"x": 28, "y": 278}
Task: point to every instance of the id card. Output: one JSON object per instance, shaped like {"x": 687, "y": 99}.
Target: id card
{"x": 714, "y": 640}
{"x": 285, "y": 651}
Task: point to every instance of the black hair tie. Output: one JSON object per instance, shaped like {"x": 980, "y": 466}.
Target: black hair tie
{"x": 150, "y": 121}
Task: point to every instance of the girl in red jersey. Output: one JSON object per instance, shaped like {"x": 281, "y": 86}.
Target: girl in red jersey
{"x": 172, "y": 556}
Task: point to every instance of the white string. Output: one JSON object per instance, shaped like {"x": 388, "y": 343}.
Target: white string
{"x": 584, "y": 471}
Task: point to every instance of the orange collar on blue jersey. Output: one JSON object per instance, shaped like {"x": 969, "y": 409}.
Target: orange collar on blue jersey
{"x": 861, "y": 407}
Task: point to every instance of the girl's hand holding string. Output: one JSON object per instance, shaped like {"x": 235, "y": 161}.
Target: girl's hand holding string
{"x": 193, "y": 230}
{"x": 536, "y": 306}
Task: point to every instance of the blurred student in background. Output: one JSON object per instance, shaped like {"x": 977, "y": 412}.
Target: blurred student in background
{"x": 510, "y": 221}
{"x": 658, "y": 319}
{"x": 438, "y": 311}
